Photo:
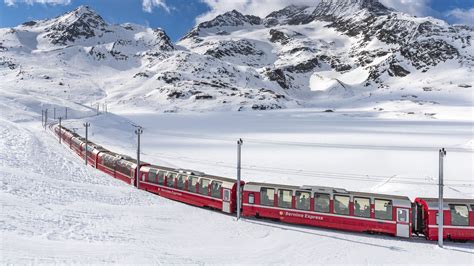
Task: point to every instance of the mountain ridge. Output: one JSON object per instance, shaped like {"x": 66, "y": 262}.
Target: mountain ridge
{"x": 331, "y": 55}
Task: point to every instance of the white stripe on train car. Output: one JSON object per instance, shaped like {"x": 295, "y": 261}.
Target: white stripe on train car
{"x": 452, "y": 226}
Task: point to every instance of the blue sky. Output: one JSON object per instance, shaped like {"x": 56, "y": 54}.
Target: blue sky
{"x": 178, "y": 16}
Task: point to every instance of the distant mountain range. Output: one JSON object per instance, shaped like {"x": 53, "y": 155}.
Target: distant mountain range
{"x": 338, "y": 54}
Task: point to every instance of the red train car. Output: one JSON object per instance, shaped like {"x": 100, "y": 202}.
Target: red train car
{"x": 330, "y": 208}
{"x": 93, "y": 152}
{"x": 458, "y": 216}
{"x": 191, "y": 187}
{"x": 119, "y": 166}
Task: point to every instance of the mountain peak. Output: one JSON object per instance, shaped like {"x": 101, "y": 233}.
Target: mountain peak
{"x": 231, "y": 19}
{"x": 339, "y": 8}
{"x": 82, "y": 22}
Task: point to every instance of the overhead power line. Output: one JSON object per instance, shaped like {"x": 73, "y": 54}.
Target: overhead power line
{"x": 313, "y": 144}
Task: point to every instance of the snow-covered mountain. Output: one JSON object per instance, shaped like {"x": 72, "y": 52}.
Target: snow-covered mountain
{"x": 338, "y": 54}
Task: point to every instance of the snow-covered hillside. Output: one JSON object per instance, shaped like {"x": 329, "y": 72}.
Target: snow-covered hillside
{"x": 337, "y": 54}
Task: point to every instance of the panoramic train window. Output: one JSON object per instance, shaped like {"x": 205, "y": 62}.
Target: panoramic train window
{"x": 109, "y": 161}
{"x": 362, "y": 207}
{"x": 341, "y": 204}
{"x": 152, "y": 176}
{"x": 459, "y": 214}
{"x": 284, "y": 198}
{"x": 161, "y": 177}
{"x": 383, "y": 209}
{"x": 122, "y": 168}
{"x": 267, "y": 196}
{"x": 216, "y": 189}
{"x": 192, "y": 184}
{"x": 180, "y": 181}
{"x": 302, "y": 200}
{"x": 203, "y": 186}
{"x": 321, "y": 202}
{"x": 170, "y": 180}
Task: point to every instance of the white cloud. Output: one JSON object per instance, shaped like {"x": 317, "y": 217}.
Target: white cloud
{"x": 461, "y": 16}
{"x": 31, "y": 2}
{"x": 259, "y": 8}
{"x": 148, "y": 5}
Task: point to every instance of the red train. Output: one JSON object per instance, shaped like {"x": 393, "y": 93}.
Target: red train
{"x": 326, "y": 207}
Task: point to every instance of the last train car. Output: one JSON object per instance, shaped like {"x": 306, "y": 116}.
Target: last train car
{"x": 191, "y": 187}
{"x": 329, "y": 207}
{"x": 458, "y": 216}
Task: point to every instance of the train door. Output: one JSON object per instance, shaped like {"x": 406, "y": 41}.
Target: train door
{"x": 226, "y": 200}
{"x": 403, "y": 222}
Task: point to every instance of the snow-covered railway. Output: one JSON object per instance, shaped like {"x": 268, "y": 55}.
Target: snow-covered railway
{"x": 317, "y": 206}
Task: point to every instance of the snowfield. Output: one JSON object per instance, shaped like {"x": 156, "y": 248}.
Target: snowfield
{"x": 57, "y": 210}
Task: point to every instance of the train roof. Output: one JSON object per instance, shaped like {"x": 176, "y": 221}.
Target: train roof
{"x": 448, "y": 200}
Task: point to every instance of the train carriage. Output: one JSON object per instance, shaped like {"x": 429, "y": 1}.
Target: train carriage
{"x": 93, "y": 152}
{"x": 329, "y": 207}
{"x": 118, "y": 166}
{"x": 458, "y": 218}
{"x": 191, "y": 187}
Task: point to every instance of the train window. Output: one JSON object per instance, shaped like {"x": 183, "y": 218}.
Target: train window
{"x": 402, "y": 215}
{"x": 383, "y": 209}
{"x": 203, "y": 186}
{"x": 251, "y": 198}
{"x": 152, "y": 176}
{"x": 226, "y": 196}
{"x": 302, "y": 200}
{"x": 192, "y": 184}
{"x": 341, "y": 204}
{"x": 321, "y": 202}
{"x": 180, "y": 181}
{"x": 170, "y": 180}
{"x": 362, "y": 207}
{"x": 284, "y": 198}
{"x": 459, "y": 214}
{"x": 161, "y": 177}
{"x": 216, "y": 189}
{"x": 267, "y": 196}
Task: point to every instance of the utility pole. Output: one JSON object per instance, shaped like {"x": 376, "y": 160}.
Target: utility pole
{"x": 42, "y": 118}
{"x": 66, "y": 114}
{"x": 138, "y": 131}
{"x": 442, "y": 154}
{"x": 54, "y": 113}
{"x": 60, "y": 118}
{"x": 86, "y": 125}
{"x": 98, "y": 108}
{"x": 239, "y": 155}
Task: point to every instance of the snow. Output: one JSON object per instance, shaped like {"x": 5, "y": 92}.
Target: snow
{"x": 55, "y": 210}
